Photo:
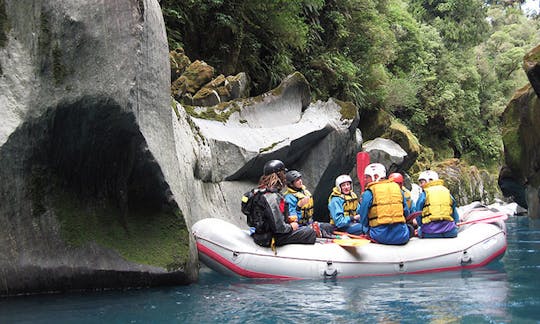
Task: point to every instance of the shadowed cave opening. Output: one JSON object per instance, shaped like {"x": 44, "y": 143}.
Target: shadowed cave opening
{"x": 96, "y": 151}
{"x": 88, "y": 162}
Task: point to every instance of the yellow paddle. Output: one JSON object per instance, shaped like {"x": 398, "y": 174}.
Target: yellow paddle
{"x": 351, "y": 242}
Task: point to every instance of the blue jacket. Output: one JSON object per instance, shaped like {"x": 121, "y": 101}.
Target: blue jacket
{"x": 292, "y": 204}
{"x": 335, "y": 206}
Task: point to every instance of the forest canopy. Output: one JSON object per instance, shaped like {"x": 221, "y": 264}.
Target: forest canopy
{"x": 445, "y": 68}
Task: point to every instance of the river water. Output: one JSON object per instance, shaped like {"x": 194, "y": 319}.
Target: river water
{"x": 508, "y": 290}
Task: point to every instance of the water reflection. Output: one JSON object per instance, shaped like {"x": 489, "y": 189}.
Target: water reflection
{"x": 443, "y": 297}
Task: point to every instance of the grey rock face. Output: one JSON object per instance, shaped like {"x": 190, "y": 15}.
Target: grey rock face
{"x": 100, "y": 179}
{"x": 229, "y": 156}
{"x": 86, "y": 122}
{"x": 386, "y": 152}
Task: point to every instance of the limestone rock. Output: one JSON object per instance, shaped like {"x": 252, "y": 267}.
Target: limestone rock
{"x": 281, "y": 124}
{"x": 386, "y": 152}
{"x": 87, "y": 149}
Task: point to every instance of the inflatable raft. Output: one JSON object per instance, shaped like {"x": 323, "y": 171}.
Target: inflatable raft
{"x": 230, "y": 250}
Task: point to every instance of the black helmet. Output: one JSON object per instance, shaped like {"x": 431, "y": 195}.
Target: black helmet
{"x": 291, "y": 176}
{"x": 273, "y": 166}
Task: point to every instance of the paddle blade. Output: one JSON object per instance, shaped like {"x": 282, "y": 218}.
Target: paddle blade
{"x": 351, "y": 242}
{"x": 362, "y": 161}
{"x": 489, "y": 219}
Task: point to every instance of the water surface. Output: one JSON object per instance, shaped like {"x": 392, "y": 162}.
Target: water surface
{"x": 508, "y": 290}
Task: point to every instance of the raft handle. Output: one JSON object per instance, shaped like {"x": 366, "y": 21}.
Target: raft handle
{"x": 465, "y": 258}
{"x": 330, "y": 272}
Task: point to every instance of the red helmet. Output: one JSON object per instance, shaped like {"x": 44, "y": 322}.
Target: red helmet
{"x": 397, "y": 178}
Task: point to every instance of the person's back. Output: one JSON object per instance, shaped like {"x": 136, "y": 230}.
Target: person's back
{"x": 383, "y": 208}
{"x": 439, "y": 211}
{"x": 275, "y": 211}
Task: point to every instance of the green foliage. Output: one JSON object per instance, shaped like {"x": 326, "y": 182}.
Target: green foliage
{"x": 462, "y": 23}
{"x": 445, "y": 68}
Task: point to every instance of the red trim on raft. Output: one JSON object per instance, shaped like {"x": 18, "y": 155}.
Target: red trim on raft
{"x": 236, "y": 269}
{"x": 259, "y": 275}
{"x": 471, "y": 266}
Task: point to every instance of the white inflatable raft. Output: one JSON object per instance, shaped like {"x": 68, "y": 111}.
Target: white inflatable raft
{"x": 228, "y": 249}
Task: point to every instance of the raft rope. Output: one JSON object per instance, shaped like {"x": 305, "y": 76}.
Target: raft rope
{"x": 358, "y": 262}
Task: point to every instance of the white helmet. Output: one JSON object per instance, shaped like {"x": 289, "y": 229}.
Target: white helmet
{"x": 377, "y": 171}
{"x": 428, "y": 176}
{"x": 341, "y": 179}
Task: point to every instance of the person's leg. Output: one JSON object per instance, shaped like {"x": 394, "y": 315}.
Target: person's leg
{"x": 327, "y": 230}
{"x": 450, "y": 234}
{"x": 355, "y": 229}
{"x": 303, "y": 235}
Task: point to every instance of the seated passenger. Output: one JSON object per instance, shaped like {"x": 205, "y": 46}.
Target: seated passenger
{"x": 343, "y": 206}
{"x": 383, "y": 208}
{"x": 439, "y": 214}
{"x": 300, "y": 204}
{"x": 268, "y": 217}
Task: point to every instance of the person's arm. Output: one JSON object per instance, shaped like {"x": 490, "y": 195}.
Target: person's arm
{"x": 367, "y": 200}
{"x": 419, "y": 206}
{"x": 277, "y": 217}
{"x": 335, "y": 206}
{"x": 292, "y": 204}
{"x": 455, "y": 214}
{"x": 406, "y": 211}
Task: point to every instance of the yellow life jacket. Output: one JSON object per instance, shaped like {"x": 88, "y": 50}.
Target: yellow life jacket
{"x": 350, "y": 204}
{"x": 307, "y": 209}
{"x": 387, "y": 206}
{"x": 438, "y": 206}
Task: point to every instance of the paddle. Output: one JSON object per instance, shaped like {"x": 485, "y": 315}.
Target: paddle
{"x": 362, "y": 160}
{"x": 351, "y": 242}
{"x": 489, "y": 219}
{"x": 362, "y": 237}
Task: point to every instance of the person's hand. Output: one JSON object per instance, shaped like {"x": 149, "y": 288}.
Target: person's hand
{"x": 356, "y": 218}
{"x": 303, "y": 201}
{"x": 294, "y": 226}
{"x": 292, "y": 219}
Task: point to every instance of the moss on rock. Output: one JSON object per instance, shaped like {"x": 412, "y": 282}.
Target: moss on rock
{"x": 347, "y": 109}
{"x": 4, "y": 26}
{"x": 149, "y": 237}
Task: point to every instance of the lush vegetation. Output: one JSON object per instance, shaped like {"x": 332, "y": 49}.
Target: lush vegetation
{"x": 445, "y": 68}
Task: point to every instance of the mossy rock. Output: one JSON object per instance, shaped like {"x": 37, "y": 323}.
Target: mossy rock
{"x": 148, "y": 237}
{"x": 347, "y": 109}
{"x": 400, "y": 134}
{"x": 374, "y": 123}
{"x": 179, "y": 62}
{"x": 467, "y": 183}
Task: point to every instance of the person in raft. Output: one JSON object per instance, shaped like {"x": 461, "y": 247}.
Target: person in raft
{"x": 300, "y": 203}
{"x": 439, "y": 216}
{"x": 383, "y": 208}
{"x": 398, "y": 178}
{"x": 343, "y": 206}
{"x": 272, "y": 182}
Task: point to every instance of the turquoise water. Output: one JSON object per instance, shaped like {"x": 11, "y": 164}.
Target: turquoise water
{"x": 508, "y": 290}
